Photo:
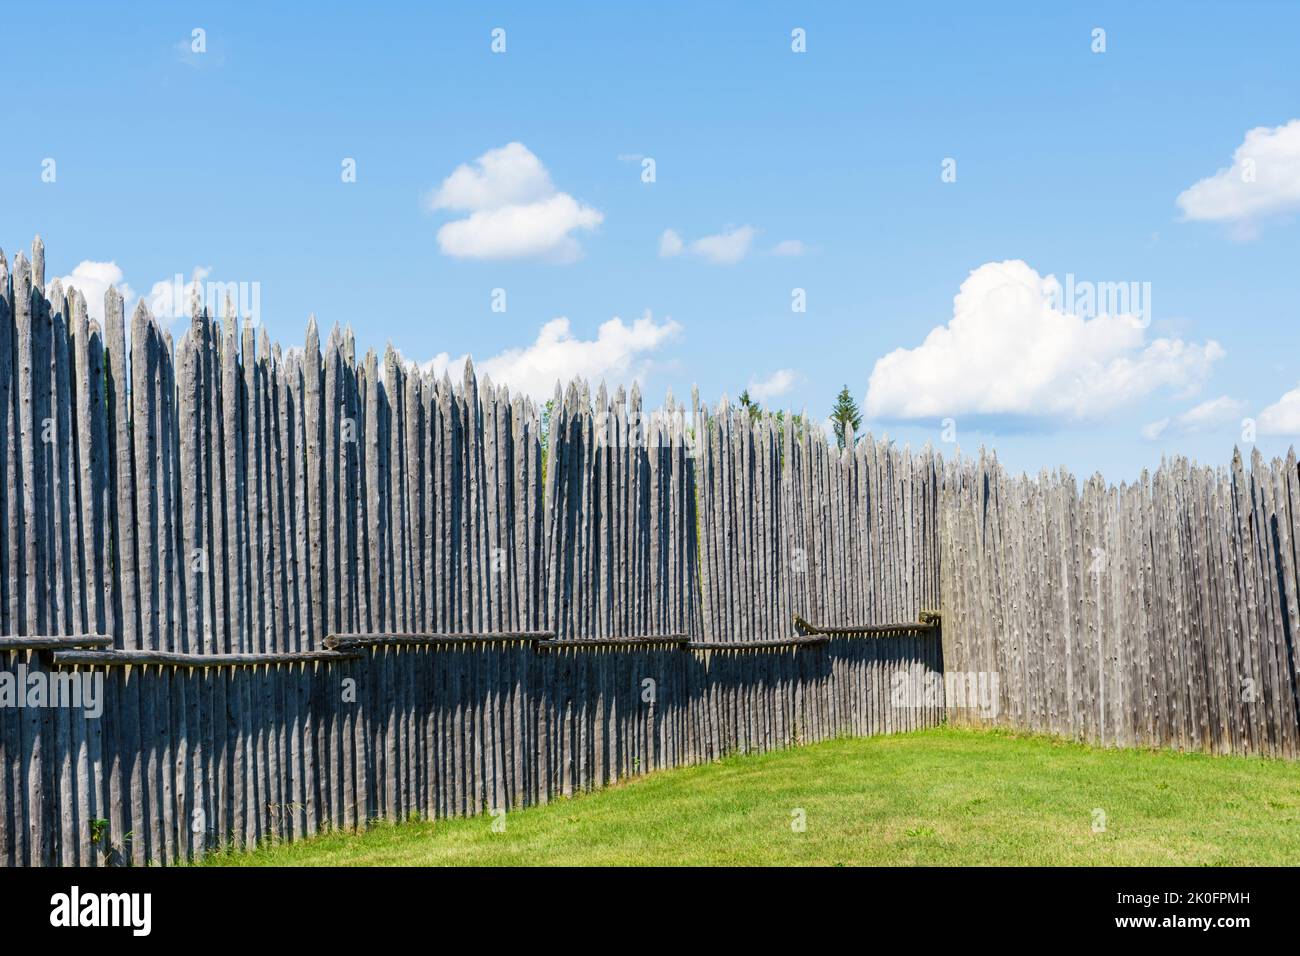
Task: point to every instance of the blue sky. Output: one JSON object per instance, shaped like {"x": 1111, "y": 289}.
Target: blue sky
{"x": 1071, "y": 162}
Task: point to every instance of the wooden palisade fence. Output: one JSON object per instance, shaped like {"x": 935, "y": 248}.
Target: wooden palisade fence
{"x": 322, "y": 589}
{"x": 1158, "y": 613}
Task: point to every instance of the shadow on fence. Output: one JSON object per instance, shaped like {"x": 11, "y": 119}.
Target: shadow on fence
{"x": 185, "y": 759}
{"x": 308, "y": 591}
{"x": 288, "y": 553}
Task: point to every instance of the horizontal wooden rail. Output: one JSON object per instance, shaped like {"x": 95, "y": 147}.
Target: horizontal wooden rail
{"x": 333, "y": 641}
{"x": 52, "y": 642}
{"x": 62, "y": 650}
{"x": 120, "y": 658}
{"x": 775, "y": 644}
{"x": 929, "y": 622}
{"x": 659, "y": 640}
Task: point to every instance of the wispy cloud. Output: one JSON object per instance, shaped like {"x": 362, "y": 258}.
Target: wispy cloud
{"x": 789, "y": 247}
{"x": 1214, "y": 413}
{"x": 724, "y": 248}
{"x": 772, "y": 386}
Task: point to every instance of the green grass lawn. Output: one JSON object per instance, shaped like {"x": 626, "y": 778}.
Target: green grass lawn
{"x": 943, "y": 796}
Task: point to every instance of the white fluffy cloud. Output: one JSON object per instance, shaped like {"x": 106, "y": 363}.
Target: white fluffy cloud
{"x": 778, "y": 383}
{"x": 514, "y": 209}
{"x": 1263, "y": 182}
{"x": 1214, "y": 413}
{"x": 789, "y": 247}
{"x": 618, "y": 353}
{"x": 725, "y": 248}
{"x": 1008, "y": 351}
{"x": 1283, "y": 416}
{"x": 92, "y": 280}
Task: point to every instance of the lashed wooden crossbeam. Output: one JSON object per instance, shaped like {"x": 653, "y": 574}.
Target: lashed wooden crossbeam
{"x": 758, "y": 645}
{"x": 660, "y": 640}
{"x": 337, "y": 641}
{"x": 929, "y": 621}
{"x": 45, "y": 642}
{"x": 170, "y": 659}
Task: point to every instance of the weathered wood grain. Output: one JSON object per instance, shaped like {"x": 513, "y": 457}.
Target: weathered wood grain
{"x": 314, "y": 588}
